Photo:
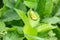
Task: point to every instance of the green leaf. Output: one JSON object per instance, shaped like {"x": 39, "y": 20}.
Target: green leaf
{"x": 44, "y": 7}
{"x": 21, "y": 6}
{"x": 18, "y": 2}
{"x": 58, "y": 13}
{"x": 23, "y": 16}
{"x": 10, "y": 15}
{"x": 56, "y": 8}
{"x": 52, "y": 20}
{"x": 14, "y": 4}
{"x": 13, "y": 36}
{"x": 30, "y": 4}
{"x": 48, "y": 7}
{"x": 9, "y": 3}
{"x": 45, "y": 27}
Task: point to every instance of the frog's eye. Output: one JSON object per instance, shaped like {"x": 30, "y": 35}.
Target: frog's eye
{"x": 33, "y": 15}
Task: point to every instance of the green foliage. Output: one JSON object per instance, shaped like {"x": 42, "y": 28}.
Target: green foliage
{"x": 2, "y": 25}
{"x": 30, "y": 20}
{"x": 44, "y": 8}
{"x": 13, "y": 36}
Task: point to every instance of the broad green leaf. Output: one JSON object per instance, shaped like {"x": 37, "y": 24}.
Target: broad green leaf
{"x": 9, "y": 3}
{"x": 41, "y": 7}
{"x": 21, "y": 6}
{"x": 52, "y": 20}
{"x": 58, "y": 13}
{"x": 45, "y": 27}
{"x": 55, "y": 8}
{"x": 30, "y": 4}
{"x": 14, "y": 4}
{"x": 44, "y": 7}
{"x": 33, "y": 18}
{"x": 23, "y": 16}
{"x": 17, "y": 2}
{"x": 10, "y": 15}
{"x": 48, "y": 7}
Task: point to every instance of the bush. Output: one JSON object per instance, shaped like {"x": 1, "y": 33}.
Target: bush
{"x": 29, "y": 19}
